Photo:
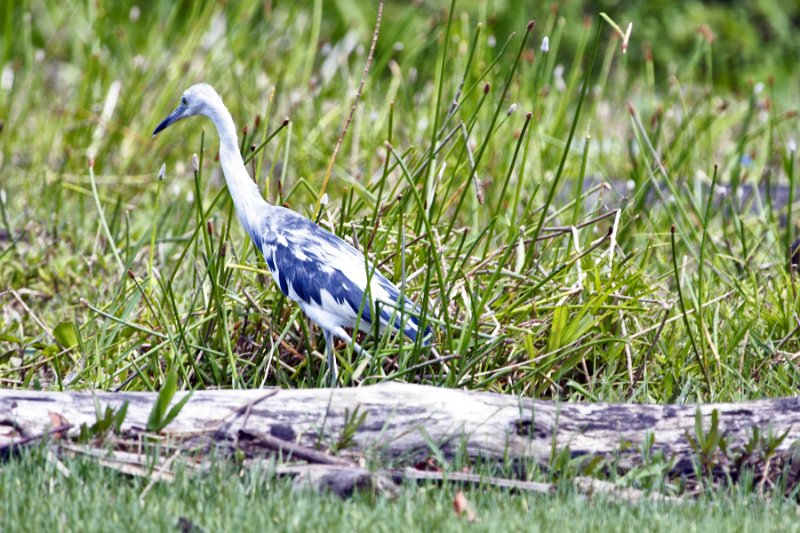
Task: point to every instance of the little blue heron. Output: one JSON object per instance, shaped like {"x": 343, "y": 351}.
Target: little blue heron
{"x": 334, "y": 284}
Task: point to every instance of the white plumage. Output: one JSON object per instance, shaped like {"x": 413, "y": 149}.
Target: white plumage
{"x": 334, "y": 284}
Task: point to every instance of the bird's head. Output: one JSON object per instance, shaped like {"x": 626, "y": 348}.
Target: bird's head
{"x": 200, "y": 99}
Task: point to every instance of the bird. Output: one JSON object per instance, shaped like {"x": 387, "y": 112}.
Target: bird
{"x": 334, "y": 284}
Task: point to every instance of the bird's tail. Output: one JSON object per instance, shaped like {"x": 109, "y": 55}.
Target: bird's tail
{"x": 401, "y": 314}
{"x": 412, "y": 333}
{"x": 408, "y": 322}
{"x": 412, "y": 325}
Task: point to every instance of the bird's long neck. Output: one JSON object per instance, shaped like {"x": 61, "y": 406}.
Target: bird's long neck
{"x": 246, "y": 196}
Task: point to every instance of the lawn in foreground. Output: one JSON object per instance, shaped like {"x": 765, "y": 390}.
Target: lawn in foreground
{"x": 37, "y": 496}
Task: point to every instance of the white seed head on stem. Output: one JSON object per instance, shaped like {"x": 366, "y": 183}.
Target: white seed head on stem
{"x": 626, "y": 38}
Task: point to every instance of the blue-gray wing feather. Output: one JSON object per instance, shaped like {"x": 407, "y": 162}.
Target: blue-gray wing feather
{"x": 306, "y": 259}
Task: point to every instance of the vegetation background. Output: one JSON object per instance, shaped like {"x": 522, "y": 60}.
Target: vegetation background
{"x": 112, "y": 274}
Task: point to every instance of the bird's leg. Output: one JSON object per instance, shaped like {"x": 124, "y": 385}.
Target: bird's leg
{"x": 356, "y": 347}
{"x": 331, "y": 358}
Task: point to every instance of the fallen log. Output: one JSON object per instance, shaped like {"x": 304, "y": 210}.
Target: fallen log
{"x": 403, "y": 422}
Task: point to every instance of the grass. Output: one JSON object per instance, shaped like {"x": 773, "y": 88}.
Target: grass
{"x": 563, "y": 226}
{"x": 119, "y": 275}
{"x": 76, "y": 498}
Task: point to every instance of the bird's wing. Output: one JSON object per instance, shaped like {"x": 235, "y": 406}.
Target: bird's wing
{"x": 306, "y": 260}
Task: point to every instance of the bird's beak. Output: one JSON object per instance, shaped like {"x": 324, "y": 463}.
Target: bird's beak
{"x": 173, "y": 117}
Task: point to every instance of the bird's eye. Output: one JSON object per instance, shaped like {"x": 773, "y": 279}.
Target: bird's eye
{"x": 184, "y": 101}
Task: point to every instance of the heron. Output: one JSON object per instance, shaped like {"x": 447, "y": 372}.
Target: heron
{"x": 334, "y": 284}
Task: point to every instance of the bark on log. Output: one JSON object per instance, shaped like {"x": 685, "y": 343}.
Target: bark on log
{"x": 402, "y": 420}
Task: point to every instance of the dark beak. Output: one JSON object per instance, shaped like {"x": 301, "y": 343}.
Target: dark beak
{"x": 175, "y": 116}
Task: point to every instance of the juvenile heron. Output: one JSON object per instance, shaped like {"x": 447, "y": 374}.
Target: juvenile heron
{"x": 334, "y": 284}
